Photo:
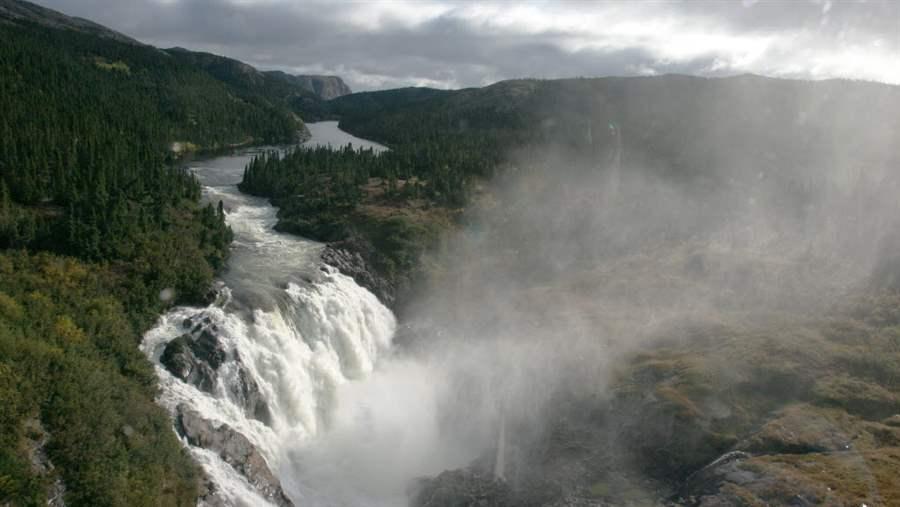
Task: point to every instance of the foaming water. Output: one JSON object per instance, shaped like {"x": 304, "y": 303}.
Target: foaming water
{"x": 317, "y": 336}
{"x": 339, "y": 430}
{"x": 382, "y": 434}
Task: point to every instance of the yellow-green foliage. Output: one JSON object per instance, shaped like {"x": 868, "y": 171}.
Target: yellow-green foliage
{"x": 816, "y": 397}
{"x": 69, "y": 357}
{"x": 119, "y": 65}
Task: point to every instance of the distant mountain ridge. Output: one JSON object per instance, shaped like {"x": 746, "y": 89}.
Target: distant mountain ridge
{"x": 284, "y": 86}
{"x": 226, "y": 69}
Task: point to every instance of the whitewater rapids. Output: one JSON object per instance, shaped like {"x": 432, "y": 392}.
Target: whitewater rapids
{"x": 349, "y": 424}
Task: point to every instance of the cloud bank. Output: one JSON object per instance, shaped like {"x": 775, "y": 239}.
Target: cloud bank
{"x": 449, "y": 44}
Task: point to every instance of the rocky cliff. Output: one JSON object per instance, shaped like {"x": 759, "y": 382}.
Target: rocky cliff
{"x": 325, "y": 87}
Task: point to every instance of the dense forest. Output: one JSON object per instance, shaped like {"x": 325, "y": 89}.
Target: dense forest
{"x": 391, "y": 206}
{"x": 101, "y": 230}
{"x": 334, "y": 178}
{"x": 298, "y": 94}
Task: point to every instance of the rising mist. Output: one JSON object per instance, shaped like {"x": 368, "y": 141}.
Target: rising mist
{"x": 588, "y": 249}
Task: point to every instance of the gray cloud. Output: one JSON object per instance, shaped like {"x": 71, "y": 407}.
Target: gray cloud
{"x": 447, "y": 44}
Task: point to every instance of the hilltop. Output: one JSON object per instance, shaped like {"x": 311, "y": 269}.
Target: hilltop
{"x": 17, "y": 12}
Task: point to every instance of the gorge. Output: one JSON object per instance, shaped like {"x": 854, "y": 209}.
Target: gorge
{"x": 294, "y": 359}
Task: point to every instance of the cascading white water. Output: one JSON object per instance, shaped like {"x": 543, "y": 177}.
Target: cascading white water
{"x": 311, "y": 339}
{"x": 330, "y": 331}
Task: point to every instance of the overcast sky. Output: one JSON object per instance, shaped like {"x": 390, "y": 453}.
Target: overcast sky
{"x": 457, "y": 44}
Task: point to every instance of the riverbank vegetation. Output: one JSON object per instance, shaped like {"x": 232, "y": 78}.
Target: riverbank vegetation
{"x": 101, "y": 230}
{"x": 382, "y": 206}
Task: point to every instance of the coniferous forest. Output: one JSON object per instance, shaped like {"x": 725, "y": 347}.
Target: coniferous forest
{"x": 97, "y": 219}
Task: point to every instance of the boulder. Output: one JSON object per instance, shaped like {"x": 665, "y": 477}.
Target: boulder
{"x": 234, "y": 448}
{"x": 207, "y": 348}
{"x": 181, "y": 361}
{"x": 194, "y": 357}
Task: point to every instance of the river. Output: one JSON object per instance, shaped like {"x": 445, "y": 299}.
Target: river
{"x": 309, "y": 342}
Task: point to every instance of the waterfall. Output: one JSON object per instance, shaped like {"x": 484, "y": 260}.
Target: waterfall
{"x": 297, "y": 370}
{"x": 322, "y": 334}
{"x": 285, "y": 334}
{"x": 500, "y": 460}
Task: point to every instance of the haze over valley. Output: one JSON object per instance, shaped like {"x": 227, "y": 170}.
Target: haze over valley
{"x": 277, "y": 254}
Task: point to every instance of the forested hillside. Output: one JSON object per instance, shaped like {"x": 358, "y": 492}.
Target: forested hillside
{"x": 302, "y": 95}
{"x": 17, "y": 11}
{"x": 101, "y": 230}
{"x": 658, "y": 116}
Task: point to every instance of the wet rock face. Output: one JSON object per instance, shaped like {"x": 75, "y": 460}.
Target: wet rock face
{"x": 195, "y": 358}
{"x": 208, "y": 349}
{"x": 180, "y": 358}
{"x": 209, "y": 494}
{"x": 348, "y": 260}
{"x": 235, "y": 449}
{"x": 247, "y": 394}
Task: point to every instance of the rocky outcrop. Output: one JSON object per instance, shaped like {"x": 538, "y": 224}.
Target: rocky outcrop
{"x": 706, "y": 487}
{"x": 196, "y": 356}
{"x": 209, "y": 494}
{"x": 462, "y": 488}
{"x": 738, "y": 479}
{"x": 36, "y": 445}
{"x": 347, "y": 259}
{"x": 805, "y": 455}
{"x": 324, "y": 87}
{"x": 245, "y": 392}
{"x": 192, "y": 362}
{"x": 235, "y": 449}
